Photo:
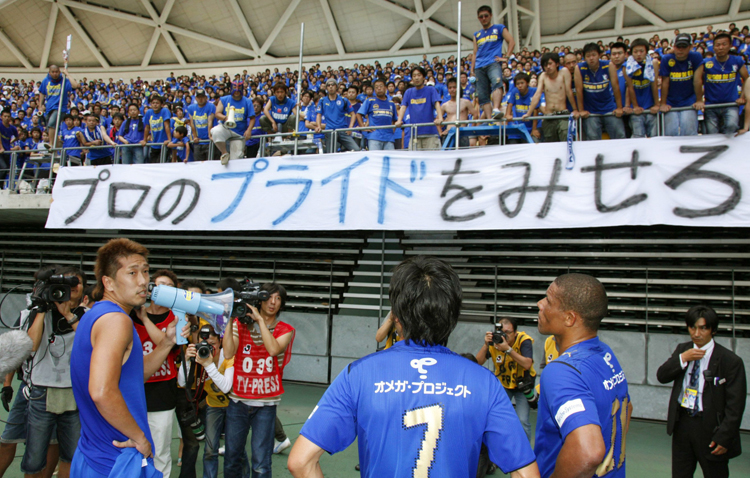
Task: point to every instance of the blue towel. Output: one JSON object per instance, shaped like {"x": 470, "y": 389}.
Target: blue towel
{"x": 632, "y": 66}
{"x": 131, "y": 464}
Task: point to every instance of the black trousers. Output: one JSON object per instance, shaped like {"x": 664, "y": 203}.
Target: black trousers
{"x": 690, "y": 447}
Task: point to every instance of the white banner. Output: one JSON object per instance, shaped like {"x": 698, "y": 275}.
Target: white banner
{"x": 696, "y": 181}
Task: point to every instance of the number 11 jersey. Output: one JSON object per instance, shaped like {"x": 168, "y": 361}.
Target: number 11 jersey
{"x": 419, "y": 411}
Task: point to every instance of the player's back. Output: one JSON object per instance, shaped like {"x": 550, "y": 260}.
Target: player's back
{"x": 420, "y": 410}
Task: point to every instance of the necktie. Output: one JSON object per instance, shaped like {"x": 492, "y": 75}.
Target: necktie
{"x": 694, "y": 375}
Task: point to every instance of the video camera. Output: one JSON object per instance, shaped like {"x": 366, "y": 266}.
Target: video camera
{"x": 249, "y": 295}
{"x": 50, "y": 288}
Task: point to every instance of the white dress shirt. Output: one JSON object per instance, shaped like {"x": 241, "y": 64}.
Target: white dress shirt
{"x": 703, "y": 363}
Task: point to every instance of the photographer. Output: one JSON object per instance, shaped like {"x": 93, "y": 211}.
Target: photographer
{"x": 49, "y": 389}
{"x": 217, "y": 378}
{"x": 263, "y": 346}
{"x": 512, "y": 356}
{"x": 161, "y": 388}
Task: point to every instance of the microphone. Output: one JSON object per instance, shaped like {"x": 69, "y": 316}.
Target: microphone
{"x": 15, "y": 348}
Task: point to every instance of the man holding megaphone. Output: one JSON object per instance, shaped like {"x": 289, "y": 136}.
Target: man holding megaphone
{"x": 238, "y": 114}
{"x": 261, "y": 346}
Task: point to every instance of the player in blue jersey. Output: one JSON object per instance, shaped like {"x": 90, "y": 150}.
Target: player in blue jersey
{"x": 485, "y": 62}
{"x": 584, "y": 406}
{"x": 643, "y": 89}
{"x": 719, "y": 77}
{"x": 418, "y": 408}
{"x": 596, "y": 82}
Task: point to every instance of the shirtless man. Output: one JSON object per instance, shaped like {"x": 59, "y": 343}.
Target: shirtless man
{"x": 467, "y": 108}
{"x": 555, "y": 84}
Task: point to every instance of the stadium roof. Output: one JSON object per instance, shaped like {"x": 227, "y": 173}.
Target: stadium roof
{"x": 141, "y": 36}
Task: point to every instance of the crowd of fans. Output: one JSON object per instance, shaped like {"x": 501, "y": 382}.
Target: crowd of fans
{"x": 181, "y": 112}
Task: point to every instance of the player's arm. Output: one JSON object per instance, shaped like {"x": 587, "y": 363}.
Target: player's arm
{"x": 36, "y": 329}
{"x": 663, "y": 106}
{"x": 671, "y": 369}
{"x": 582, "y": 451}
{"x": 529, "y": 471}
{"x": 230, "y": 342}
{"x": 111, "y": 337}
{"x": 537, "y": 96}
{"x": 578, "y": 78}
{"x": 615, "y": 88}
{"x": 484, "y": 351}
{"x": 474, "y": 57}
{"x": 274, "y": 346}
{"x": 304, "y": 459}
{"x": 698, "y": 87}
{"x": 511, "y": 43}
{"x": 153, "y": 361}
{"x": 382, "y": 332}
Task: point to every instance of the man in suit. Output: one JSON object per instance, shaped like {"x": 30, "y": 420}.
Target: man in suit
{"x": 708, "y": 399}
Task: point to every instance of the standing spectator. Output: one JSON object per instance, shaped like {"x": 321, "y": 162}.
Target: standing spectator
{"x": 513, "y": 361}
{"x": 718, "y": 76}
{"x": 157, "y": 121}
{"x": 244, "y": 117}
{"x": 707, "y": 401}
{"x": 261, "y": 351}
{"x": 643, "y": 90}
{"x": 180, "y": 145}
{"x": 519, "y": 103}
{"x": 201, "y": 115}
{"x": 8, "y": 134}
{"x": 252, "y": 145}
{"x": 677, "y": 90}
{"x": 453, "y": 113}
{"x": 49, "y": 94}
{"x": 72, "y": 139}
{"x": 486, "y": 60}
{"x": 423, "y": 103}
{"x": 596, "y": 80}
{"x": 132, "y": 131}
{"x": 581, "y": 424}
{"x": 554, "y": 84}
{"x": 95, "y": 135}
{"x": 379, "y": 111}
{"x": 334, "y": 109}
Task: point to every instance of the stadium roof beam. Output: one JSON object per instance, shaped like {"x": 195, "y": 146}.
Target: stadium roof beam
{"x": 159, "y": 21}
{"x": 14, "y": 49}
{"x": 84, "y": 36}
{"x": 51, "y": 24}
{"x": 332, "y": 26}
{"x": 245, "y": 26}
{"x": 279, "y": 26}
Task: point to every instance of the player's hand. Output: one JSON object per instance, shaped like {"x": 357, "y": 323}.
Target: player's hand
{"x": 275, "y": 127}
{"x": 741, "y": 100}
{"x": 699, "y": 106}
{"x": 692, "y": 354}
{"x": 627, "y": 110}
{"x": 525, "y": 117}
{"x": 717, "y": 449}
{"x": 142, "y": 445}
{"x": 63, "y": 308}
{"x": 7, "y": 396}
{"x": 654, "y": 109}
{"x": 488, "y": 338}
{"x": 585, "y": 114}
{"x": 196, "y": 140}
{"x": 742, "y": 131}
{"x": 618, "y": 112}
{"x": 438, "y": 120}
{"x": 576, "y": 114}
{"x": 638, "y": 110}
{"x": 190, "y": 352}
{"x": 248, "y": 134}
{"x": 205, "y": 362}
{"x": 665, "y": 108}
{"x": 535, "y": 133}
{"x": 503, "y": 346}
{"x": 398, "y": 123}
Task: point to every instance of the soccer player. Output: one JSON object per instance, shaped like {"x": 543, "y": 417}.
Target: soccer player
{"x": 584, "y": 406}
{"x": 418, "y": 408}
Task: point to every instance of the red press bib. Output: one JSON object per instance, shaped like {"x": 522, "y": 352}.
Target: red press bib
{"x": 257, "y": 375}
{"x": 167, "y": 371}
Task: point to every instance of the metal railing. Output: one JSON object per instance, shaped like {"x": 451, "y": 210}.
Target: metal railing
{"x": 291, "y": 141}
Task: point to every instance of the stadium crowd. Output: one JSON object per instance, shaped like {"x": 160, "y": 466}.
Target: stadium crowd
{"x": 690, "y": 72}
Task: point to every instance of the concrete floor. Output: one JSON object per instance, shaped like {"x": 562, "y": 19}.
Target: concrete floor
{"x": 648, "y": 447}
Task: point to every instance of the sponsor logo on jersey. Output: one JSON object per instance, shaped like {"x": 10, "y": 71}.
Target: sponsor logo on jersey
{"x": 567, "y": 409}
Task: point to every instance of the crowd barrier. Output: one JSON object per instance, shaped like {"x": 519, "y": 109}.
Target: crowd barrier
{"x": 52, "y": 159}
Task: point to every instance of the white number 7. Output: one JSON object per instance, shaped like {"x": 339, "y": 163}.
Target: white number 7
{"x": 431, "y": 416}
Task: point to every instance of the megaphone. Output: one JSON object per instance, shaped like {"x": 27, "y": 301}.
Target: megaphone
{"x": 216, "y": 309}
{"x": 230, "y": 123}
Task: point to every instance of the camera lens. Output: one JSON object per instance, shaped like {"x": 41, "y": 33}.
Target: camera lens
{"x": 57, "y": 294}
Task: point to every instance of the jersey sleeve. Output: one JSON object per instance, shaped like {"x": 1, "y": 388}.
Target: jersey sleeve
{"x": 504, "y": 436}
{"x": 664, "y": 68}
{"x": 332, "y": 423}
{"x": 569, "y": 400}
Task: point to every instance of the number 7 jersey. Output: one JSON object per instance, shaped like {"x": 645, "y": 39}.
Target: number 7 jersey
{"x": 419, "y": 412}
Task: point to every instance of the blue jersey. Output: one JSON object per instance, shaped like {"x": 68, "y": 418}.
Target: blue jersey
{"x": 598, "y": 97}
{"x": 70, "y": 140}
{"x": 521, "y": 103}
{"x": 489, "y": 45}
{"x": 642, "y": 87}
{"x": 379, "y": 113}
{"x": 622, "y": 83}
{"x": 421, "y": 106}
{"x": 310, "y": 113}
{"x": 419, "y": 411}
{"x": 256, "y": 132}
{"x": 200, "y": 118}
{"x": 243, "y": 111}
{"x": 96, "y": 433}
{"x": 721, "y": 79}
{"x": 680, "y": 73}
{"x": 132, "y": 129}
{"x": 156, "y": 123}
{"x": 335, "y": 111}
{"x": 280, "y": 111}
{"x": 8, "y": 135}
{"x": 181, "y": 149}
{"x": 584, "y": 386}
{"x": 51, "y": 91}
